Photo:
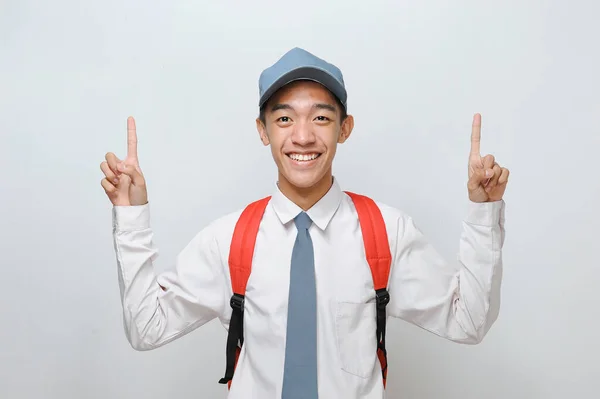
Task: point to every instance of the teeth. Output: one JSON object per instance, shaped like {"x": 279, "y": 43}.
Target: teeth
{"x": 303, "y": 157}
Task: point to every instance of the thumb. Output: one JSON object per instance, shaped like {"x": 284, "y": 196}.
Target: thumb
{"x": 136, "y": 177}
{"x": 479, "y": 177}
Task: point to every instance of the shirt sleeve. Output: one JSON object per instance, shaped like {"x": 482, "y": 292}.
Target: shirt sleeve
{"x": 160, "y": 308}
{"x": 460, "y": 300}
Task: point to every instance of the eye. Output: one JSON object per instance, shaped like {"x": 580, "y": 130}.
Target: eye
{"x": 283, "y": 119}
{"x": 322, "y": 118}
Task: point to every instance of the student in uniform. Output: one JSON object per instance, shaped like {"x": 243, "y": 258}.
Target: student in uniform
{"x": 304, "y": 278}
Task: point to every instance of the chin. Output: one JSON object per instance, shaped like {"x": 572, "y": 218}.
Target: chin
{"x": 304, "y": 180}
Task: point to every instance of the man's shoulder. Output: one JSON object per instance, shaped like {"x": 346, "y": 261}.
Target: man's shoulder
{"x": 394, "y": 218}
{"x": 389, "y": 212}
{"x": 225, "y": 223}
{"x": 223, "y": 226}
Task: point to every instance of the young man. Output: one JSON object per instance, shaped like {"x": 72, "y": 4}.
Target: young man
{"x": 309, "y": 313}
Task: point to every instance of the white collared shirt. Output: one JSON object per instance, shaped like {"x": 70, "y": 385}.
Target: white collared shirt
{"x": 458, "y": 301}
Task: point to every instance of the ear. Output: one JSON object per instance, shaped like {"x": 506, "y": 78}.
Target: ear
{"x": 346, "y": 129}
{"x": 262, "y": 131}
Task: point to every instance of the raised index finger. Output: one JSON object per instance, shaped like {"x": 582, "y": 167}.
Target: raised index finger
{"x": 476, "y": 135}
{"x": 131, "y": 139}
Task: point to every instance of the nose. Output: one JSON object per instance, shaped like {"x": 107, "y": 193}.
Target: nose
{"x": 303, "y": 134}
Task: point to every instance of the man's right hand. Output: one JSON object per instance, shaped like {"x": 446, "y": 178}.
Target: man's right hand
{"x": 124, "y": 182}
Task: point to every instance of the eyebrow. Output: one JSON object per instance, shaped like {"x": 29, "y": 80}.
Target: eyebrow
{"x": 277, "y": 107}
{"x": 325, "y": 106}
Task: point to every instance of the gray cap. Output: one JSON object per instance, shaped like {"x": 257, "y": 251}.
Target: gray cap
{"x": 299, "y": 64}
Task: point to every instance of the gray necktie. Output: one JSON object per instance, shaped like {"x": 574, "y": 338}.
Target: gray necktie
{"x": 300, "y": 370}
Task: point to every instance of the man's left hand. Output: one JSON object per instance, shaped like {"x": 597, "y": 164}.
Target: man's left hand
{"x": 487, "y": 179}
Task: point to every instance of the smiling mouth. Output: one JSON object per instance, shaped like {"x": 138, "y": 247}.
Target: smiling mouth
{"x": 304, "y": 157}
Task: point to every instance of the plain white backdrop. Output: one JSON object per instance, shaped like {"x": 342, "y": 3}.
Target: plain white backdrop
{"x": 71, "y": 72}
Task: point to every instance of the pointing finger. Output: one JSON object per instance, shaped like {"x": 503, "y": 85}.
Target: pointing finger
{"x": 131, "y": 139}
{"x": 476, "y": 135}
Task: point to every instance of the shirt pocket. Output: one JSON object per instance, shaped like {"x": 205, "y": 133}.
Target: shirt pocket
{"x": 355, "y": 325}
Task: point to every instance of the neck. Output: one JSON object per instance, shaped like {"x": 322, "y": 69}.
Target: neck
{"x": 306, "y": 197}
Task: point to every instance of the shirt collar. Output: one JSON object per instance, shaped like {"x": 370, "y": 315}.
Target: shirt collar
{"x": 320, "y": 213}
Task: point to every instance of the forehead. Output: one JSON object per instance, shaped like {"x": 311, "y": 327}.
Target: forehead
{"x": 303, "y": 90}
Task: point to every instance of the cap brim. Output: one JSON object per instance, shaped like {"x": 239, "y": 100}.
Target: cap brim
{"x": 307, "y": 73}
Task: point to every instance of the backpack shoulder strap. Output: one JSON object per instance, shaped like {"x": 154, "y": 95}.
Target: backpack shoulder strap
{"x": 241, "y": 252}
{"x": 241, "y": 249}
{"x": 375, "y": 238}
{"x": 379, "y": 257}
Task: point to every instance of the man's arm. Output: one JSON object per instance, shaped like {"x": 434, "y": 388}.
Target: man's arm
{"x": 160, "y": 308}
{"x": 458, "y": 301}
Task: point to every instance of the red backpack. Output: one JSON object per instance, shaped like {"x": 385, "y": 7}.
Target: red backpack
{"x": 240, "y": 264}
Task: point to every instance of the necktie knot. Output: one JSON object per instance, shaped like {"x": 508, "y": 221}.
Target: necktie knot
{"x": 302, "y": 221}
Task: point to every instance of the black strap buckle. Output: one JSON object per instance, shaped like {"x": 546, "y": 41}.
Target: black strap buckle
{"x": 383, "y": 298}
{"x": 235, "y": 336}
{"x": 237, "y": 302}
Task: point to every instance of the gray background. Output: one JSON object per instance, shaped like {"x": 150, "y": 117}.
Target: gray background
{"x": 71, "y": 72}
